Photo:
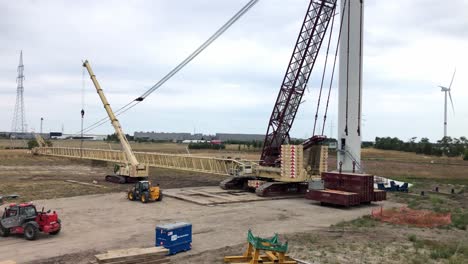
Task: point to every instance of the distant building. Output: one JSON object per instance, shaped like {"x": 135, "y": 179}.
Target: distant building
{"x": 5, "y": 134}
{"x": 169, "y": 136}
{"x": 55, "y": 135}
{"x": 20, "y": 135}
{"x": 188, "y": 141}
{"x": 179, "y": 137}
{"x": 239, "y": 137}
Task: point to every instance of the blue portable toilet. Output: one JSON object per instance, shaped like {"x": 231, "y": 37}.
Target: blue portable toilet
{"x": 176, "y": 237}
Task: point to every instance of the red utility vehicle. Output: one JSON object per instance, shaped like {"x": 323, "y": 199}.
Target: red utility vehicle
{"x": 25, "y": 219}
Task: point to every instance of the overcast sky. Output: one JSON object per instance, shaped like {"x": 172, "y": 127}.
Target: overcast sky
{"x": 410, "y": 48}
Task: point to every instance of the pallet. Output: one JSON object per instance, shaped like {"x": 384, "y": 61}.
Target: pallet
{"x": 8, "y": 262}
{"x": 153, "y": 255}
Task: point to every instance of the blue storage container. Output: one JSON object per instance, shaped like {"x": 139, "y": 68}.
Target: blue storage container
{"x": 176, "y": 237}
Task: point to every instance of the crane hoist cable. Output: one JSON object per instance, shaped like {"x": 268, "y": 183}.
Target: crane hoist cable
{"x": 347, "y": 69}
{"x": 324, "y": 71}
{"x": 181, "y": 65}
{"x": 360, "y": 70}
{"x": 82, "y": 109}
{"x": 334, "y": 67}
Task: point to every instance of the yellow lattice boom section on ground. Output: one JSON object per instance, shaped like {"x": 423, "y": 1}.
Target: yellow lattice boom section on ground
{"x": 160, "y": 160}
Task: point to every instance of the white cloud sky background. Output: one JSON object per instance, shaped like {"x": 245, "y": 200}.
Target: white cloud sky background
{"x": 410, "y": 48}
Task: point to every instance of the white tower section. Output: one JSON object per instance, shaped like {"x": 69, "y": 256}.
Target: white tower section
{"x": 350, "y": 86}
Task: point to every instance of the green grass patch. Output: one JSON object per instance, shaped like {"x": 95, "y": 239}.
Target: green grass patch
{"x": 412, "y": 237}
{"x": 365, "y": 221}
{"x": 454, "y": 252}
{"x": 439, "y": 204}
{"x": 460, "y": 220}
{"x": 436, "y": 200}
{"x": 419, "y": 182}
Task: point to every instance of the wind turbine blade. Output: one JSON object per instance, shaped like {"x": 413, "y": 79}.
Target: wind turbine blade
{"x": 453, "y": 77}
{"x": 451, "y": 101}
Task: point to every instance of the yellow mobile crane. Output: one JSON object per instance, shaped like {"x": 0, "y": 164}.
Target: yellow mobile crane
{"x": 132, "y": 170}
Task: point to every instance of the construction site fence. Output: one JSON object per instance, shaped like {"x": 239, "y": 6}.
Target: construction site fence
{"x": 192, "y": 163}
{"x": 407, "y": 216}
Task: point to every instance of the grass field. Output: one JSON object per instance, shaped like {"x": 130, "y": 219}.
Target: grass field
{"x": 407, "y": 166}
{"x": 44, "y": 177}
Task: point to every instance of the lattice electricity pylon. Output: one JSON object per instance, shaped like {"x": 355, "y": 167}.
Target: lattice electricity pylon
{"x": 305, "y": 53}
{"x": 19, "y": 120}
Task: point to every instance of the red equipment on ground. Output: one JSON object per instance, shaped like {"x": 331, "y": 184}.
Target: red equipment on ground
{"x": 26, "y": 220}
{"x": 406, "y": 216}
{"x": 346, "y": 189}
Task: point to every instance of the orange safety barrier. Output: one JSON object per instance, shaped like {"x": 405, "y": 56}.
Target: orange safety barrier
{"x": 407, "y": 216}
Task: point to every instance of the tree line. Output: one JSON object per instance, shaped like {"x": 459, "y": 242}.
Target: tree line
{"x": 447, "y": 146}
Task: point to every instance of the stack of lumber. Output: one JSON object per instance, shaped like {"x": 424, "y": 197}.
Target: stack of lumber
{"x": 153, "y": 255}
{"x": 8, "y": 262}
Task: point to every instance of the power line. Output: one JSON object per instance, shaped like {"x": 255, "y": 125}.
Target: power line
{"x": 181, "y": 65}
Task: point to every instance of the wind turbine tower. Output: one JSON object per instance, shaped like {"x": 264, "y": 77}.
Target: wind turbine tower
{"x": 19, "y": 120}
{"x": 350, "y": 86}
{"x": 447, "y": 91}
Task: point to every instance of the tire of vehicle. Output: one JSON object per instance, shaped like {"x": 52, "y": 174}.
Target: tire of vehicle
{"x": 160, "y": 196}
{"x": 131, "y": 196}
{"x": 58, "y": 231}
{"x": 30, "y": 231}
{"x": 4, "y": 232}
{"x": 55, "y": 232}
{"x": 144, "y": 197}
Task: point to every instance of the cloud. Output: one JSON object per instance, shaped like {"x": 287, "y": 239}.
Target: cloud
{"x": 410, "y": 48}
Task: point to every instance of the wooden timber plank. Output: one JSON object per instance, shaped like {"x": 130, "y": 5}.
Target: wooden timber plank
{"x": 271, "y": 256}
{"x": 234, "y": 199}
{"x": 299, "y": 261}
{"x": 142, "y": 261}
{"x": 8, "y": 262}
{"x": 230, "y": 259}
{"x": 132, "y": 253}
{"x": 137, "y": 260}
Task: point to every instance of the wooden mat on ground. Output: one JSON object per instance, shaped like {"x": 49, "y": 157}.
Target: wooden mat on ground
{"x": 8, "y": 262}
{"x": 153, "y": 255}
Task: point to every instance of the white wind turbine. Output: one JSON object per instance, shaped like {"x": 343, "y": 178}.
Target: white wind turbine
{"x": 447, "y": 91}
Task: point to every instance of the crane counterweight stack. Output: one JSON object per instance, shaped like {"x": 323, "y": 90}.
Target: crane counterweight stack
{"x": 132, "y": 170}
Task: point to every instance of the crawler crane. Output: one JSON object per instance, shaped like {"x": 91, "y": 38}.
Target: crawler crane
{"x": 131, "y": 171}
{"x": 281, "y": 168}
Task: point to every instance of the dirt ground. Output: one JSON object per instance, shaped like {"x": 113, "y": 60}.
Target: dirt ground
{"x": 44, "y": 177}
{"x": 109, "y": 221}
{"x": 104, "y": 220}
